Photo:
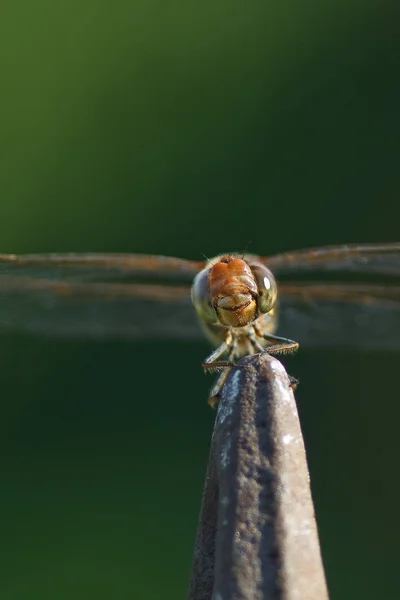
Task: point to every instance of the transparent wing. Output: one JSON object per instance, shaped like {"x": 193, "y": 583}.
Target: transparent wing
{"x": 99, "y": 297}
{"x": 314, "y": 314}
{"x": 359, "y": 305}
{"x": 358, "y": 260}
{"x": 99, "y": 268}
{"x": 363, "y": 316}
{"x": 95, "y": 295}
{"x": 96, "y": 310}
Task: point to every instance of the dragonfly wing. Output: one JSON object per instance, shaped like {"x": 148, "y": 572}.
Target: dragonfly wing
{"x": 103, "y": 311}
{"x": 98, "y": 295}
{"x": 92, "y": 296}
{"x": 348, "y": 315}
{"x": 358, "y": 307}
{"x": 99, "y": 267}
{"x": 360, "y": 259}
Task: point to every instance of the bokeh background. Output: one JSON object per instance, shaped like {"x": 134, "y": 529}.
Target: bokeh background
{"x": 187, "y": 129}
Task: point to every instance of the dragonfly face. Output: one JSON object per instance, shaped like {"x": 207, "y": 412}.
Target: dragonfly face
{"x": 231, "y": 292}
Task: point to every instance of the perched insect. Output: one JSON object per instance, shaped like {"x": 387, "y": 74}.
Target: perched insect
{"x": 347, "y": 296}
{"x": 235, "y": 300}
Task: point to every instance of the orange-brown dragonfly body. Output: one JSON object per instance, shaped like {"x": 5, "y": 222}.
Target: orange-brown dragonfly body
{"x": 344, "y": 295}
{"x": 235, "y": 300}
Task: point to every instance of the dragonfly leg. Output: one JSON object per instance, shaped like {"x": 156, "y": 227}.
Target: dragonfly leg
{"x": 215, "y": 392}
{"x": 208, "y": 363}
{"x": 284, "y": 346}
{"x": 256, "y": 345}
{"x": 279, "y": 345}
{"x": 211, "y": 363}
{"x": 293, "y": 382}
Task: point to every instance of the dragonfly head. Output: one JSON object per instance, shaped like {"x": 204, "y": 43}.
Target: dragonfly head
{"x": 233, "y": 292}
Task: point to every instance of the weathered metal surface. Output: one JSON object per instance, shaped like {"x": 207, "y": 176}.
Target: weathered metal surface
{"x": 257, "y": 537}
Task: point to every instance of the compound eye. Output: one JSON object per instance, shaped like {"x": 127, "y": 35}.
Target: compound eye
{"x": 201, "y": 297}
{"x": 266, "y": 287}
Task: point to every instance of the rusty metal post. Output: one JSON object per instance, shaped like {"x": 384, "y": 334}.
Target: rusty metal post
{"x": 257, "y": 537}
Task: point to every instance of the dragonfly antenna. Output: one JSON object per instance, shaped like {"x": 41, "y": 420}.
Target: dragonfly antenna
{"x": 246, "y": 248}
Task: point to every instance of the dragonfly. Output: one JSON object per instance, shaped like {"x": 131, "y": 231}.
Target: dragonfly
{"x": 345, "y": 295}
{"x": 235, "y": 299}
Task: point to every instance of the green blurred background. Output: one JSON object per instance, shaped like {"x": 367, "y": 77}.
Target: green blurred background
{"x": 188, "y": 129}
